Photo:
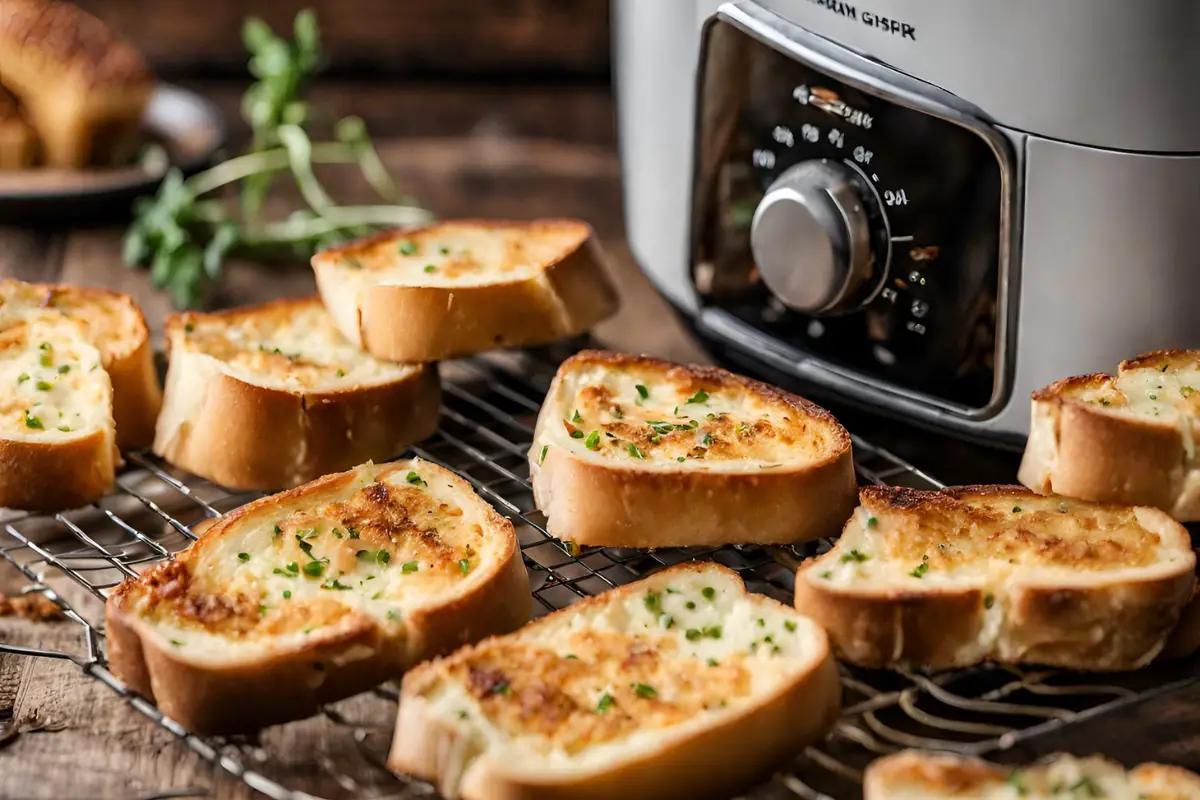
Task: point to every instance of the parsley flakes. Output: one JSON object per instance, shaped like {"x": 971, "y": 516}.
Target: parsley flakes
{"x": 415, "y": 479}
{"x": 699, "y": 397}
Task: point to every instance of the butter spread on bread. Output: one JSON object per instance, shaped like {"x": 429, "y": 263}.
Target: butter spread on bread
{"x": 634, "y": 452}
{"x": 1124, "y": 438}
{"x": 915, "y": 775}
{"x": 316, "y": 594}
{"x": 461, "y": 287}
{"x": 968, "y": 574}
{"x": 272, "y": 396}
{"x": 681, "y": 685}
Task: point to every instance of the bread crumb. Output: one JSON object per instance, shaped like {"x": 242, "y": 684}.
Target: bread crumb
{"x": 33, "y": 606}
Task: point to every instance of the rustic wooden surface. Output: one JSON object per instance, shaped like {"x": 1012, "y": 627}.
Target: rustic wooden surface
{"x": 450, "y": 38}
{"x": 488, "y": 152}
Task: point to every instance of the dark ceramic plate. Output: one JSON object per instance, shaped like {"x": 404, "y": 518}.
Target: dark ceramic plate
{"x": 182, "y": 129}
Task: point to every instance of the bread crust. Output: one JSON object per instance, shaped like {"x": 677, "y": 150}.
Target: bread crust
{"x": 428, "y": 323}
{"x": 1111, "y": 625}
{"x": 748, "y": 747}
{"x": 285, "y": 685}
{"x": 593, "y": 502}
{"x": 52, "y": 476}
{"x": 1079, "y": 449}
{"x": 248, "y": 436}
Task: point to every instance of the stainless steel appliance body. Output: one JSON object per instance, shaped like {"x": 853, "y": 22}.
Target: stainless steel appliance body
{"x": 929, "y": 207}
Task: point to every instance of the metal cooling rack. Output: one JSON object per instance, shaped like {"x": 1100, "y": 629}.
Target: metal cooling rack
{"x": 488, "y": 410}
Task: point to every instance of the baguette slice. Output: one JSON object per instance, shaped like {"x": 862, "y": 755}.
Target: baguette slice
{"x": 956, "y": 577}
{"x": 73, "y": 359}
{"x": 1129, "y": 438}
{"x": 913, "y": 775}
{"x": 705, "y": 457}
{"x": 316, "y": 594}
{"x": 679, "y": 685}
{"x": 18, "y": 142}
{"x": 83, "y": 87}
{"x": 272, "y": 396}
{"x": 458, "y": 288}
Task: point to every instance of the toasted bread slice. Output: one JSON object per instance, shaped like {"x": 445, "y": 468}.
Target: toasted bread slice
{"x": 316, "y": 594}
{"x": 272, "y": 396}
{"x": 976, "y": 573}
{"x": 1129, "y": 438}
{"x": 634, "y": 452}
{"x": 914, "y": 775}
{"x": 457, "y": 288}
{"x": 84, "y": 88}
{"x": 678, "y": 685}
{"x": 18, "y": 142}
{"x": 74, "y": 359}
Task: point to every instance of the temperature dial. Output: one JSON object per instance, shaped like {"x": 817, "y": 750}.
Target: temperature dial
{"x": 812, "y": 239}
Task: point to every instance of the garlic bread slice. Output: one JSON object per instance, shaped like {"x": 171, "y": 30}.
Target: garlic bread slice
{"x": 316, "y": 594}
{"x": 975, "y": 573}
{"x": 462, "y": 287}
{"x": 682, "y": 684}
{"x": 915, "y": 775}
{"x": 1124, "y": 438}
{"x": 635, "y": 452}
{"x": 270, "y": 396}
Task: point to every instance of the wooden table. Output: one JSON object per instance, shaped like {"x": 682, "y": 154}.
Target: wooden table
{"x": 512, "y": 153}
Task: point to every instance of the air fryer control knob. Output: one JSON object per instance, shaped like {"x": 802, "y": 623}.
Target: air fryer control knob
{"x": 811, "y": 238}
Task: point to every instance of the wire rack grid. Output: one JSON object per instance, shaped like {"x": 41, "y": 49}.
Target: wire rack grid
{"x": 489, "y": 405}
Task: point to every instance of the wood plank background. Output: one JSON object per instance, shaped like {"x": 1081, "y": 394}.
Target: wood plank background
{"x": 491, "y": 39}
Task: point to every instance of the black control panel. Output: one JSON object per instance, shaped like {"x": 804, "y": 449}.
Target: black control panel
{"x": 933, "y": 189}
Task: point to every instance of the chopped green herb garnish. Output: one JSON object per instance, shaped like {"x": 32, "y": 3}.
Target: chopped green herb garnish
{"x": 604, "y": 704}
{"x": 1153, "y": 396}
{"x": 1016, "y": 510}
{"x": 341, "y": 373}
{"x": 43, "y": 386}
{"x": 1014, "y": 780}
{"x": 827, "y": 574}
{"x": 762, "y": 623}
{"x": 243, "y": 556}
{"x": 65, "y": 428}
{"x": 352, "y": 531}
{"x": 542, "y": 457}
{"x": 571, "y": 657}
{"x": 392, "y": 615}
{"x": 276, "y": 530}
{"x": 576, "y": 417}
{"x": 444, "y": 251}
{"x": 707, "y": 440}
{"x": 699, "y": 397}
{"x": 175, "y": 642}
{"x": 415, "y": 479}
{"x": 690, "y": 605}
{"x": 872, "y": 522}
{"x": 287, "y": 594}
{"x": 464, "y": 565}
{"x": 680, "y": 458}
{"x": 593, "y": 440}
{"x": 1186, "y": 390}
{"x": 352, "y": 263}
{"x": 666, "y": 621}
{"x": 653, "y": 602}
{"x": 33, "y": 422}
{"x": 408, "y": 247}
{"x": 988, "y": 601}
{"x": 577, "y": 434}
{"x": 642, "y": 391}
{"x": 334, "y": 583}
{"x": 634, "y": 451}
{"x": 314, "y": 569}
{"x": 189, "y": 328}
{"x": 409, "y": 566}
{"x": 1087, "y": 787}
{"x": 22, "y": 378}
{"x": 921, "y": 569}
{"x": 693, "y": 634}
{"x": 643, "y": 690}
{"x": 263, "y": 608}
{"x": 708, "y": 592}
{"x": 789, "y": 625}
{"x": 502, "y": 688}
{"x": 712, "y": 662}
{"x": 430, "y": 268}
{"x": 856, "y": 556}
{"x": 712, "y": 631}
{"x": 64, "y": 369}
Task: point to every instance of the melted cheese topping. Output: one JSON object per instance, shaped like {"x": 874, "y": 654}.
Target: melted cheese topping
{"x": 111, "y": 322}
{"x": 401, "y": 537}
{"x": 56, "y": 386}
{"x": 639, "y": 417}
{"x": 295, "y": 346}
{"x": 985, "y": 541}
{"x": 658, "y": 656}
{"x": 452, "y": 254}
{"x": 1064, "y": 778}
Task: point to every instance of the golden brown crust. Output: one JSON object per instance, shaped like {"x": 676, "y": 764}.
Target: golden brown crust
{"x": 1085, "y": 450}
{"x": 352, "y": 655}
{"x": 748, "y": 746}
{"x": 1107, "y": 624}
{"x": 617, "y": 504}
{"x": 52, "y": 476}
{"x": 83, "y": 87}
{"x": 567, "y": 296}
{"x": 248, "y": 436}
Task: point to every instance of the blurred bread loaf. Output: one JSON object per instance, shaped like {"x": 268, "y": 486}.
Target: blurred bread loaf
{"x": 18, "y": 144}
{"x": 82, "y": 87}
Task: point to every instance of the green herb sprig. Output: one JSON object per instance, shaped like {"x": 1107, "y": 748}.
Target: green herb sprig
{"x": 184, "y": 233}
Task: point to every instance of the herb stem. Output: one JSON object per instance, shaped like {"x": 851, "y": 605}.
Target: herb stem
{"x": 242, "y": 167}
